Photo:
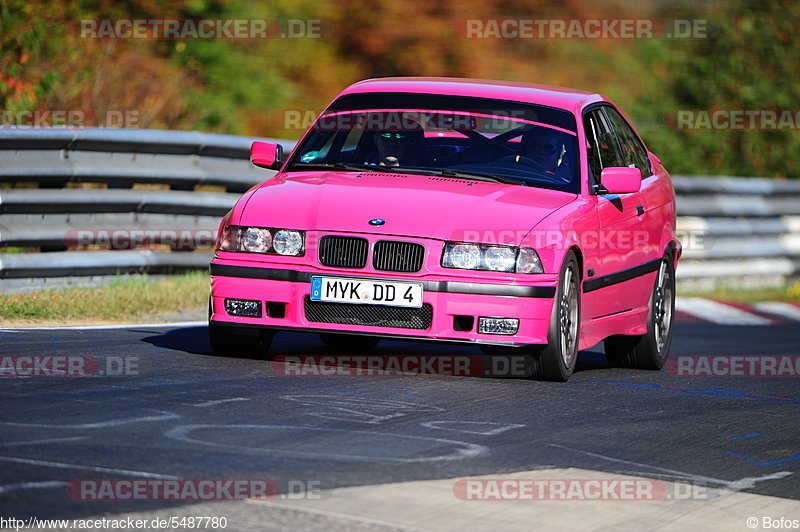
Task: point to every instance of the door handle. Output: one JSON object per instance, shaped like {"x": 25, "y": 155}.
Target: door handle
{"x": 640, "y": 210}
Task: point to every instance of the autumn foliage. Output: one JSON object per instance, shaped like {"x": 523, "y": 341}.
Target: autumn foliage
{"x": 748, "y": 61}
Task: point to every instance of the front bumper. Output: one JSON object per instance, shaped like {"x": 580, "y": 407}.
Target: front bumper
{"x": 286, "y": 289}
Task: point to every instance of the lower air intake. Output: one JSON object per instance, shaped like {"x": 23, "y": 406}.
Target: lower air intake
{"x": 369, "y": 315}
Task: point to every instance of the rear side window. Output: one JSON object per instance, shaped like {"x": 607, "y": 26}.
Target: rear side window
{"x": 633, "y": 152}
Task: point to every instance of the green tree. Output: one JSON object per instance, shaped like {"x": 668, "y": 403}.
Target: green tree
{"x": 749, "y": 62}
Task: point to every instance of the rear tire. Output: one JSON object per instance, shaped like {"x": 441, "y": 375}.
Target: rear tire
{"x": 557, "y": 360}
{"x": 649, "y": 350}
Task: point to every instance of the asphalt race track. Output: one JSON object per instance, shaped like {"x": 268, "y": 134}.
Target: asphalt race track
{"x": 181, "y": 412}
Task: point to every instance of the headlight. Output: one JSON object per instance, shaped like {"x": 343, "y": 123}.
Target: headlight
{"x": 500, "y": 259}
{"x": 490, "y": 257}
{"x": 262, "y": 240}
{"x": 288, "y": 242}
{"x": 256, "y": 240}
{"x": 462, "y": 256}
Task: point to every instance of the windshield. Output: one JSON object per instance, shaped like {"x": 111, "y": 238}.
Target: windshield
{"x": 451, "y": 136}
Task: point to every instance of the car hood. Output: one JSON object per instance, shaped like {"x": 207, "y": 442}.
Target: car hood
{"x": 411, "y": 205}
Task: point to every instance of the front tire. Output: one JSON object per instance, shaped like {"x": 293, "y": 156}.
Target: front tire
{"x": 556, "y": 362}
{"x": 650, "y": 350}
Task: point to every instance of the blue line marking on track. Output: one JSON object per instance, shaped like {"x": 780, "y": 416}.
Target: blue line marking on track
{"x": 782, "y": 461}
{"x": 745, "y": 436}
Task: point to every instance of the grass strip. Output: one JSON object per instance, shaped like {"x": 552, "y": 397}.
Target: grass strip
{"x": 133, "y": 296}
{"x": 121, "y": 299}
{"x": 789, "y": 293}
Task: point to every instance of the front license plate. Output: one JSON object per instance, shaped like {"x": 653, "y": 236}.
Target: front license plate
{"x": 340, "y": 290}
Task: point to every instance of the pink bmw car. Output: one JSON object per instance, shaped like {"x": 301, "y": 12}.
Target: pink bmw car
{"x": 520, "y": 218}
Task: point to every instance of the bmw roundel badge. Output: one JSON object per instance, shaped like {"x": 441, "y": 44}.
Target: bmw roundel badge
{"x": 377, "y": 221}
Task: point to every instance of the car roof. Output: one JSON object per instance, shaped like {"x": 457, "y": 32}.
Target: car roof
{"x": 559, "y": 97}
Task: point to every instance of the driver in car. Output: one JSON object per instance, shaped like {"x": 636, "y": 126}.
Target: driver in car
{"x": 541, "y": 148}
{"x": 395, "y": 147}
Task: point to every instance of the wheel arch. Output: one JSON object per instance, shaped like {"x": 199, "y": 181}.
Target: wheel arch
{"x": 579, "y": 257}
{"x": 673, "y": 247}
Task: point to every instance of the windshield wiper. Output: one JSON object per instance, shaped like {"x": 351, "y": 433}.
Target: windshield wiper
{"x": 345, "y": 167}
{"x": 368, "y": 167}
{"x": 480, "y": 176}
{"x": 335, "y": 166}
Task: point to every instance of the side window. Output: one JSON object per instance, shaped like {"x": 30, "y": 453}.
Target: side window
{"x": 633, "y": 153}
{"x": 602, "y": 150}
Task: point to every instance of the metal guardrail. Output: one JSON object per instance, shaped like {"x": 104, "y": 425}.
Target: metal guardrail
{"x": 132, "y": 181}
{"x": 738, "y": 231}
{"x": 122, "y": 157}
{"x": 111, "y": 200}
{"x": 733, "y": 229}
{"x": 60, "y": 264}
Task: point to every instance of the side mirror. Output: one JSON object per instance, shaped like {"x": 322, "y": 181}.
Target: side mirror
{"x": 621, "y": 179}
{"x": 266, "y": 155}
